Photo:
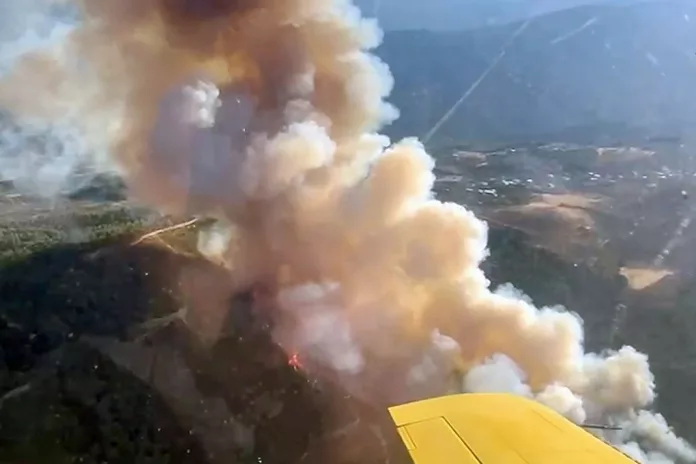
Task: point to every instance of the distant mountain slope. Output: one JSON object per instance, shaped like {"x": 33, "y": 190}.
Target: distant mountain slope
{"x": 460, "y": 14}
{"x": 592, "y": 68}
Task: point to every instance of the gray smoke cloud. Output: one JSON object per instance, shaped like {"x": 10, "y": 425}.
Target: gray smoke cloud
{"x": 46, "y": 157}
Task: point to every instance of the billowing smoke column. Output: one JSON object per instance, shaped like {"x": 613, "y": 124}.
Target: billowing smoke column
{"x": 264, "y": 113}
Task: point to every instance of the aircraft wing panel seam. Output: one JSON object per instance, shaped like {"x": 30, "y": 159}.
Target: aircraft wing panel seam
{"x": 461, "y": 439}
{"x": 419, "y": 421}
{"x": 406, "y": 438}
{"x": 548, "y": 421}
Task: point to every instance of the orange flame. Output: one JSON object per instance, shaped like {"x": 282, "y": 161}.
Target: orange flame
{"x": 294, "y": 361}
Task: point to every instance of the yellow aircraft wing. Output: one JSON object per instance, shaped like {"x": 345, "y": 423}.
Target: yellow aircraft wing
{"x": 496, "y": 428}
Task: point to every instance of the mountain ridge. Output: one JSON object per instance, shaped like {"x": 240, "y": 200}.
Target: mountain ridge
{"x": 624, "y": 67}
{"x": 463, "y": 14}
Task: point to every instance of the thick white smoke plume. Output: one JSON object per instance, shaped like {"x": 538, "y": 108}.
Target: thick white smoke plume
{"x": 46, "y": 157}
{"x": 265, "y": 114}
